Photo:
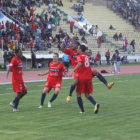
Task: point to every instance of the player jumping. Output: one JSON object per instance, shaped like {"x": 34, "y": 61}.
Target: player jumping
{"x": 84, "y": 85}
{"x": 72, "y": 52}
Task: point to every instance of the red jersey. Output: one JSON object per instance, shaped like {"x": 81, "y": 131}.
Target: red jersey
{"x": 2, "y": 26}
{"x": 31, "y": 43}
{"x": 16, "y": 66}
{"x": 72, "y": 55}
{"x": 32, "y": 11}
{"x": 126, "y": 43}
{"x": 32, "y": 18}
{"x": 98, "y": 57}
{"x": 17, "y": 36}
{"x": 71, "y": 24}
{"x": 34, "y": 26}
{"x": 14, "y": 26}
{"x": 0, "y": 41}
{"x": 107, "y": 53}
{"x": 27, "y": 19}
{"x": 84, "y": 71}
{"x": 56, "y": 71}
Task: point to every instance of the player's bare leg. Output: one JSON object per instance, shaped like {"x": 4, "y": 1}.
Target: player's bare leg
{"x": 72, "y": 88}
{"x": 80, "y": 103}
{"x": 53, "y": 97}
{"x": 45, "y": 90}
{"x": 91, "y": 99}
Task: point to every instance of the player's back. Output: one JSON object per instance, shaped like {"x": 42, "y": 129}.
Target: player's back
{"x": 84, "y": 71}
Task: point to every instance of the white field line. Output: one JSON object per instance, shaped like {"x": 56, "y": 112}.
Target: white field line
{"x": 45, "y": 80}
{"x": 32, "y": 81}
{"x": 65, "y": 78}
{"x": 98, "y": 83}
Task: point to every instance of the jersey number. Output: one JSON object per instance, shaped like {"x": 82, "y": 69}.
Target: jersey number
{"x": 86, "y": 62}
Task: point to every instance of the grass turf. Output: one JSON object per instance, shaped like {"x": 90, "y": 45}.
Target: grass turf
{"x": 118, "y": 117}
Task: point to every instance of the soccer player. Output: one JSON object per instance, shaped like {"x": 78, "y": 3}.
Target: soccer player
{"x": 84, "y": 85}
{"x": 54, "y": 79}
{"x": 72, "y": 52}
{"x": 19, "y": 86}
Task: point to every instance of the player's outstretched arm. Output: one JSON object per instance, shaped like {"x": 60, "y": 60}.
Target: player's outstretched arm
{"x": 77, "y": 66}
{"x": 9, "y": 69}
{"x": 42, "y": 74}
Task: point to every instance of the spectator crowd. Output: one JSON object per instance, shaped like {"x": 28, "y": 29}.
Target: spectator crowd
{"x": 129, "y": 9}
{"x": 29, "y": 28}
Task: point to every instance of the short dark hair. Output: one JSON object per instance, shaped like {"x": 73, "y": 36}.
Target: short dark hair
{"x": 116, "y": 51}
{"x": 56, "y": 54}
{"x": 83, "y": 48}
{"x": 78, "y": 44}
{"x": 17, "y": 51}
{"x": 75, "y": 41}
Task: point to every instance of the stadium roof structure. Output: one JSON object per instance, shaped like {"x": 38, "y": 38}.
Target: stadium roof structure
{"x": 41, "y": 56}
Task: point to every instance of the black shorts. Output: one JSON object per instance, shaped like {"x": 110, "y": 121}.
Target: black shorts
{"x": 66, "y": 64}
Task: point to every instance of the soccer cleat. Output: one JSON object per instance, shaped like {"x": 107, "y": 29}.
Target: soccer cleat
{"x": 15, "y": 109}
{"x": 49, "y": 105}
{"x": 96, "y": 108}
{"x": 12, "y": 104}
{"x": 109, "y": 86}
{"x": 82, "y": 113}
{"x": 40, "y": 106}
{"x": 68, "y": 99}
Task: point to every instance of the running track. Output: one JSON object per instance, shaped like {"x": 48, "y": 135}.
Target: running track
{"x": 32, "y": 76}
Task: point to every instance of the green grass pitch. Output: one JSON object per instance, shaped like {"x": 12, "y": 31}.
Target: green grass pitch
{"x": 118, "y": 117}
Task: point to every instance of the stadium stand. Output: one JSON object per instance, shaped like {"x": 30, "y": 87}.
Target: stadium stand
{"x": 104, "y": 17}
{"x": 129, "y": 10}
{"x": 31, "y": 25}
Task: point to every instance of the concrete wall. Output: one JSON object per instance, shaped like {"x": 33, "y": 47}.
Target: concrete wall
{"x": 1, "y": 58}
{"x": 100, "y": 2}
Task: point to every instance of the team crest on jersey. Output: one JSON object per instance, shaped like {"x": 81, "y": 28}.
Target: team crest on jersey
{"x": 20, "y": 66}
{"x": 74, "y": 56}
{"x": 54, "y": 70}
